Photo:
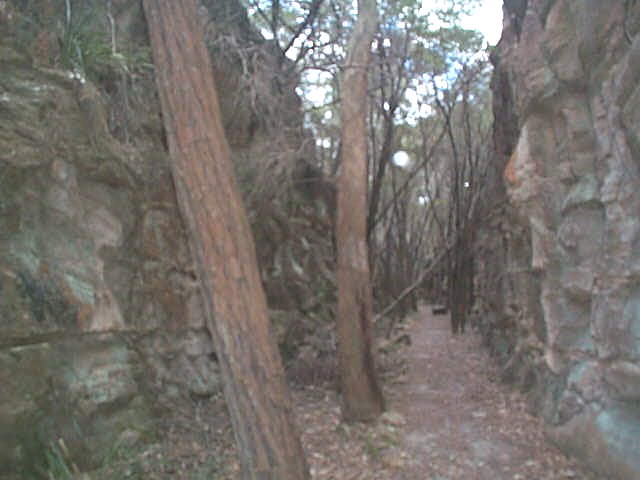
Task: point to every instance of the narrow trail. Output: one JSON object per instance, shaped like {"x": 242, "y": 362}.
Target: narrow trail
{"x": 462, "y": 423}
{"x": 449, "y": 418}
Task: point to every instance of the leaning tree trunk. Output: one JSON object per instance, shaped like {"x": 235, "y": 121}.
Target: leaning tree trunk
{"x": 361, "y": 393}
{"x": 254, "y": 385}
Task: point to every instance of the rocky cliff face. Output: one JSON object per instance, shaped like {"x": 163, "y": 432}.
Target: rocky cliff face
{"x": 100, "y": 314}
{"x": 94, "y": 311}
{"x": 559, "y": 283}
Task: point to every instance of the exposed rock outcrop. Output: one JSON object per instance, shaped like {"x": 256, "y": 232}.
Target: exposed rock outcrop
{"x": 100, "y": 314}
{"x": 94, "y": 311}
{"x": 559, "y": 285}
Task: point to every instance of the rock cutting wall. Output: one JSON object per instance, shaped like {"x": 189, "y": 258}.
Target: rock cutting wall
{"x": 100, "y": 314}
{"x": 93, "y": 309}
{"x": 559, "y": 279}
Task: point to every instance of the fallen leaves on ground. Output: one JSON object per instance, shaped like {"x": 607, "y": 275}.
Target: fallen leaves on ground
{"x": 449, "y": 418}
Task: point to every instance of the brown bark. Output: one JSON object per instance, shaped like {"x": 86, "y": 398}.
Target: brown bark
{"x": 254, "y": 385}
{"x": 361, "y": 393}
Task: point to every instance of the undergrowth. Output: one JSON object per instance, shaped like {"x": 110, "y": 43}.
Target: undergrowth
{"x": 76, "y": 35}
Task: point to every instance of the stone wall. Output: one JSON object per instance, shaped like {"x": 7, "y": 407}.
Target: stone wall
{"x": 559, "y": 283}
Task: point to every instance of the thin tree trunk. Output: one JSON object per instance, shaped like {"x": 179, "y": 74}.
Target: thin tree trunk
{"x": 376, "y": 187}
{"x": 361, "y": 393}
{"x": 221, "y": 241}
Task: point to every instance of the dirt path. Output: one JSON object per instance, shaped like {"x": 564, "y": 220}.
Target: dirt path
{"x": 462, "y": 423}
{"x": 449, "y": 418}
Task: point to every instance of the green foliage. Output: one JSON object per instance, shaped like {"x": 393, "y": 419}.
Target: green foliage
{"x": 429, "y": 95}
{"x": 75, "y": 35}
{"x": 379, "y": 439}
{"x": 371, "y": 446}
{"x": 57, "y": 462}
{"x": 120, "y": 461}
{"x": 83, "y": 49}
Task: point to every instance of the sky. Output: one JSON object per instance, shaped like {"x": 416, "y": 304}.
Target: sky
{"x": 487, "y": 19}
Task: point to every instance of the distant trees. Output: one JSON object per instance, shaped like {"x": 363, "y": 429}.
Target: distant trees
{"x": 361, "y": 393}
{"x": 221, "y": 241}
{"x": 404, "y": 85}
{"x": 420, "y": 55}
{"x": 463, "y": 108}
{"x": 415, "y": 69}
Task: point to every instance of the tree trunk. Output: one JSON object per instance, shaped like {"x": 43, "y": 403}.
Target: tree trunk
{"x": 221, "y": 241}
{"x": 361, "y": 393}
{"x": 376, "y": 186}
